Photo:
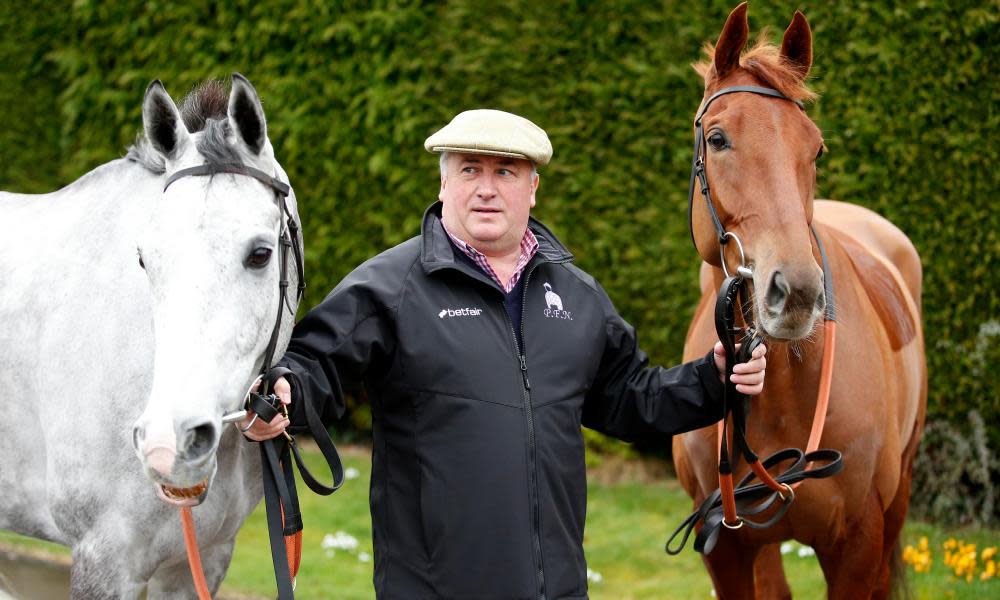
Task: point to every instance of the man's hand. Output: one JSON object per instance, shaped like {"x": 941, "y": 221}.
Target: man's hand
{"x": 260, "y": 430}
{"x": 748, "y": 376}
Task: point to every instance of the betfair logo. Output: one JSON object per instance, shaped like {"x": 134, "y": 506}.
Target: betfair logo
{"x": 460, "y": 312}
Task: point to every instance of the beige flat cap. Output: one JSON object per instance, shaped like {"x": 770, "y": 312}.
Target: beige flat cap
{"x": 493, "y": 132}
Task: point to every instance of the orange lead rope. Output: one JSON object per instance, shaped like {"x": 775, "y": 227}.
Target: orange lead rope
{"x": 815, "y": 433}
{"x": 293, "y": 549}
{"x": 194, "y": 557}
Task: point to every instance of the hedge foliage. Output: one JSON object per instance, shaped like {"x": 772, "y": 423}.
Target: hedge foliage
{"x": 909, "y": 106}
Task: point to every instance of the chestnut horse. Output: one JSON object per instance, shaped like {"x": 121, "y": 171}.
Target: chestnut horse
{"x": 760, "y": 156}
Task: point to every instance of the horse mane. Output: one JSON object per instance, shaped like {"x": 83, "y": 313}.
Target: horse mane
{"x": 204, "y": 109}
{"x": 764, "y": 62}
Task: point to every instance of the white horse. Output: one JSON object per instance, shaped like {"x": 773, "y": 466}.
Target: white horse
{"x": 78, "y": 360}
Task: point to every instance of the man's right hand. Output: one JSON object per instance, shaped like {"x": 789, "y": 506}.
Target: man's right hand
{"x": 260, "y": 430}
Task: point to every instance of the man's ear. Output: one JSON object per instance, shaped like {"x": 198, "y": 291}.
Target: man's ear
{"x": 534, "y": 188}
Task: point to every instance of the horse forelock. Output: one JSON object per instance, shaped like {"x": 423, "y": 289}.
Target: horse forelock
{"x": 764, "y": 62}
{"x": 204, "y": 110}
{"x": 209, "y": 100}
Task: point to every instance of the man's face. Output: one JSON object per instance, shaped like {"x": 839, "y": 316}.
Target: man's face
{"x": 487, "y": 200}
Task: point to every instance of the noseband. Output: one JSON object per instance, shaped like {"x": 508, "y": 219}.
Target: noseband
{"x": 730, "y": 504}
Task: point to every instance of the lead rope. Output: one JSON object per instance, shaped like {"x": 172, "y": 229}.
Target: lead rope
{"x": 731, "y": 503}
{"x": 194, "y": 556}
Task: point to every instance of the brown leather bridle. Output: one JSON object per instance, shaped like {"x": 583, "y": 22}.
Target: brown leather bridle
{"x": 732, "y": 505}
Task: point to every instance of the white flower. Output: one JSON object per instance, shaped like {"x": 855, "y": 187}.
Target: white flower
{"x": 594, "y": 576}
{"x": 787, "y": 547}
{"x": 339, "y": 541}
{"x": 351, "y": 473}
{"x": 364, "y": 556}
{"x": 805, "y": 551}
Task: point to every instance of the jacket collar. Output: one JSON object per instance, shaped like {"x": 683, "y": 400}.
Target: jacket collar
{"x": 437, "y": 251}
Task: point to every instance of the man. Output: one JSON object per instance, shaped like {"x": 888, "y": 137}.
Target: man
{"x": 483, "y": 349}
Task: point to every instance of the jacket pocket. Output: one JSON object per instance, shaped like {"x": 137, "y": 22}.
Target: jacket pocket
{"x": 474, "y": 497}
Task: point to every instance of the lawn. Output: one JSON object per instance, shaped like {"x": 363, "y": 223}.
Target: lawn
{"x": 627, "y": 524}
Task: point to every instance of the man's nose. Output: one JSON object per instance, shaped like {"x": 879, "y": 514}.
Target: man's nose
{"x": 487, "y": 187}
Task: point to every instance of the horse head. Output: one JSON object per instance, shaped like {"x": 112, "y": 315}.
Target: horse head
{"x": 760, "y": 155}
{"x": 212, "y": 254}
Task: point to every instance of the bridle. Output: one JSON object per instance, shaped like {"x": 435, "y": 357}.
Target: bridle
{"x": 284, "y": 519}
{"x": 731, "y": 505}
{"x": 288, "y": 239}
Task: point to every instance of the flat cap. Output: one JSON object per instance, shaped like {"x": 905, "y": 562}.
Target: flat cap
{"x": 493, "y": 132}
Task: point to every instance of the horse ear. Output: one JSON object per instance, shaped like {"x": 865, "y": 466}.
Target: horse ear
{"x": 162, "y": 122}
{"x": 246, "y": 114}
{"x": 734, "y": 37}
{"x": 796, "y": 45}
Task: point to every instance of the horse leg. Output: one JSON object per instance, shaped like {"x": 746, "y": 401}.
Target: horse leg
{"x": 893, "y": 574}
{"x": 174, "y": 581}
{"x": 98, "y": 574}
{"x": 851, "y": 562}
{"x": 730, "y": 564}
{"x": 769, "y": 574}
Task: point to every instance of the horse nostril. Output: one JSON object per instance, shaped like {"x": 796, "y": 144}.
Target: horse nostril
{"x": 138, "y": 435}
{"x": 777, "y": 292}
{"x": 198, "y": 441}
{"x": 821, "y": 301}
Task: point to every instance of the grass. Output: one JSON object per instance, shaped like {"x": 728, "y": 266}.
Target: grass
{"x": 627, "y": 524}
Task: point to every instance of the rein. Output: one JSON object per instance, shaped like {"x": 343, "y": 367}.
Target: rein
{"x": 731, "y": 504}
{"x": 284, "y": 520}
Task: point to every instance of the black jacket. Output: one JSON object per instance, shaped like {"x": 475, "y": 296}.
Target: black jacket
{"x": 478, "y": 484}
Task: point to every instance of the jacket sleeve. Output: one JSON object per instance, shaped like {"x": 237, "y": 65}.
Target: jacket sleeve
{"x": 338, "y": 344}
{"x": 631, "y": 400}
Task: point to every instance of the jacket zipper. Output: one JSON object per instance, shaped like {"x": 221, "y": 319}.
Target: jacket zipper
{"x": 529, "y": 418}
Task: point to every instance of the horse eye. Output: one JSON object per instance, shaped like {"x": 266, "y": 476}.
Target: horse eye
{"x": 822, "y": 150}
{"x": 717, "y": 141}
{"x": 142, "y": 265}
{"x": 259, "y": 258}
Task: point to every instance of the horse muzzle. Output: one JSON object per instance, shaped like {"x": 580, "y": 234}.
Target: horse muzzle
{"x": 790, "y": 306}
{"x": 180, "y": 460}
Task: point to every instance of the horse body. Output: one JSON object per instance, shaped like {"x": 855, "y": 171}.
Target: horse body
{"x": 878, "y": 393}
{"x": 79, "y": 360}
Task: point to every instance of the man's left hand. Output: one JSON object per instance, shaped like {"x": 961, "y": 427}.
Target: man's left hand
{"x": 748, "y": 376}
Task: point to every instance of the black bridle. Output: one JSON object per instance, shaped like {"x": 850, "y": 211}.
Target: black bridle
{"x": 289, "y": 237}
{"x": 743, "y": 499}
{"x": 284, "y": 519}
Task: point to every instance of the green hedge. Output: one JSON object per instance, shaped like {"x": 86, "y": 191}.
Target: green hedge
{"x": 909, "y": 105}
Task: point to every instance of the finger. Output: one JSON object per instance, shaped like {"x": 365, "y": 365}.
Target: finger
{"x": 284, "y": 390}
{"x": 265, "y": 431}
{"x": 759, "y": 351}
{"x": 750, "y": 390}
{"x": 748, "y": 379}
{"x": 753, "y": 366}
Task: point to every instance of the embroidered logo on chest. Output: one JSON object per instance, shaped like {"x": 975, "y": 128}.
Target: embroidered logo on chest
{"x": 554, "y": 305}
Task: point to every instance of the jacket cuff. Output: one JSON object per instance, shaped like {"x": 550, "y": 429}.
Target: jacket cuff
{"x": 711, "y": 380}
